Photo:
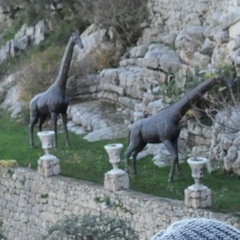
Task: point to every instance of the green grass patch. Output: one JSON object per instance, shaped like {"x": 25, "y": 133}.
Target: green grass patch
{"x": 89, "y": 161}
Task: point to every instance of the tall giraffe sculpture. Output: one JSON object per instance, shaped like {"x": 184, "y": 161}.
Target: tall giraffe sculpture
{"x": 164, "y": 126}
{"x": 54, "y": 100}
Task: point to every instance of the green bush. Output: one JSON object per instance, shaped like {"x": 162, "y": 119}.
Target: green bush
{"x": 90, "y": 227}
{"x": 214, "y": 100}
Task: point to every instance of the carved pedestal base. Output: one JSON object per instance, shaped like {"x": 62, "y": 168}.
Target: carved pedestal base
{"x": 198, "y": 196}
{"x": 116, "y": 180}
{"x": 48, "y": 165}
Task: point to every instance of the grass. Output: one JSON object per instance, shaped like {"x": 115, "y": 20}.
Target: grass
{"x": 89, "y": 161}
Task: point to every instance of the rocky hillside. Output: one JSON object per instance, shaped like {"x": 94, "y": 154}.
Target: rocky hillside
{"x": 180, "y": 39}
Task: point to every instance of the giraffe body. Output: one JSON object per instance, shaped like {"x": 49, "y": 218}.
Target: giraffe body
{"x": 164, "y": 126}
{"x": 54, "y": 100}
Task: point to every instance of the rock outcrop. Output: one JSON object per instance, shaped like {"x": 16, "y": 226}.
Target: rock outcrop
{"x": 225, "y": 146}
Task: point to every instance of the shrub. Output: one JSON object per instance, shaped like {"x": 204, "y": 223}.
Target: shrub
{"x": 123, "y": 15}
{"x": 41, "y": 71}
{"x": 97, "y": 60}
{"x": 217, "y": 98}
{"x": 90, "y": 228}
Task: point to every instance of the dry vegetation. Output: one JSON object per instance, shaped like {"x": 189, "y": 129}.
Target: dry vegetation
{"x": 41, "y": 63}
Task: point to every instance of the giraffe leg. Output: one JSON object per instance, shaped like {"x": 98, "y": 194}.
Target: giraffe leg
{"x": 41, "y": 121}
{"x": 134, "y": 148}
{"x": 173, "y": 149}
{"x": 64, "y": 118}
{"x": 54, "y": 124}
{"x": 128, "y": 153}
{"x": 139, "y": 149}
{"x": 33, "y": 121}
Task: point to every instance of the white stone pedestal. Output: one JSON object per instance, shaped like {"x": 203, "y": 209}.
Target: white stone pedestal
{"x": 48, "y": 165}
{"x": 198, "y": 196}
{"x": 116, "y": 180}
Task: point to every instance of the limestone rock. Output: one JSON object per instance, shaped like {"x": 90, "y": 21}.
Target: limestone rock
{"x": 21, "y": 43}
{"x": 199, "y": 60}
{"x": 164, "y": 56}
{"x": 221, "y": 37}
{"x": 169, "y": 39}
{"x": 138, "y": 51}
{"x": 221, "y": 53}
{"x": 230, "y": 18}
{"x": 225, "y": 145}
{"x": 102, "y": 120}
{"x": 234, "y": 30}
{"x": 207, "y": 47}
{"x": 111, "y": 132}
{"x": 188, "y": 41}
{"x": 236, "y": 167}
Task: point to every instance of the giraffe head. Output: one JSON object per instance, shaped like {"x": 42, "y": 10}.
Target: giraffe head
{"x": 76, "y": 38}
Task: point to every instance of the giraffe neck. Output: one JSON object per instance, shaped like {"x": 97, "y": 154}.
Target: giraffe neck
{"x": 65, "y": 65}
{"x": 181, "y": 107}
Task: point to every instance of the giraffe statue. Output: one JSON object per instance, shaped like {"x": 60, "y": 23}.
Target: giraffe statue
{"x": 54, "y": 100}
{"x": 164, "y": 126}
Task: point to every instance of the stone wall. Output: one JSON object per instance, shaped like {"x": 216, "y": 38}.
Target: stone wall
{"x": 30, "y": 204}
{"x": 182, "y": 36}
{"x": 170, "y": 17}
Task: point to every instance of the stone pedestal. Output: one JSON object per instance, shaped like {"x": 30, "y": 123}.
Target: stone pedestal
{"x": 198, "y": 196}
{"x": 48, "y": 165}
{"x": 116, "y": 180}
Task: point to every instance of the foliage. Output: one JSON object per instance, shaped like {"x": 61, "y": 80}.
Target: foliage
{"x": 90, "y": 227}
{"x": 124, "y": 16}
{"x": 41, "y": 71}
{"x": 7, "y": 67}
{"x": 98, "y": 59}
{"x": 212, "y": 101}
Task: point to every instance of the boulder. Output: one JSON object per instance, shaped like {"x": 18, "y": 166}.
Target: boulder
{"x": 234, "y": 30}
{"x": 111, "y": 132}
{"x": 169, "y": 39}
{"x": 161, "y": 56}
{"x": 5, "y": 52}
{"x": 188, "y": 41}
{"x": 230, "y": 18}
{"x": 221, "y": 54}
{"x": 207, "y": 47}
{"x": 41, "y": 30}
{"x": 12, "y": 101}
{"x": 226, "y": 141}
{"x": 200, "y": 61}
{"x": 101, "y": 119}
{"x": 21, "y": 43}
{"x": 230, "y": 158}
{"x": 22, "y": 32}
{"x": 97, "y": 40}
{"x": 236, "y": 167}
{"x": 138, "y": 51}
